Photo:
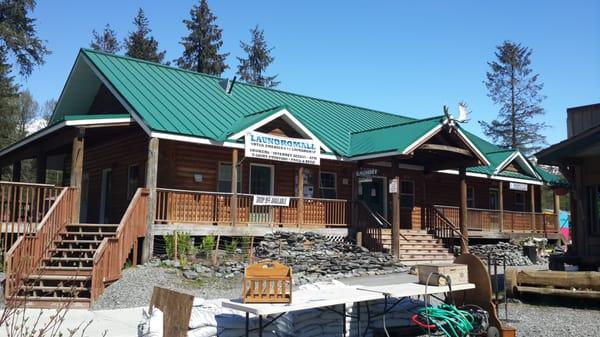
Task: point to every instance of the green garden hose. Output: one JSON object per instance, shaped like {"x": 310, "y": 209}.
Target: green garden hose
{"x": 449, "y": 320}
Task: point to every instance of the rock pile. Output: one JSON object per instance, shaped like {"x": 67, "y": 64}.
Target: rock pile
{"x": 314, "y": 258}
{"x": 513, "y": 253}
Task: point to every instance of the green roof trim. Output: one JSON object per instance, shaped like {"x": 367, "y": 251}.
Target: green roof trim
{"x": 94, "y": 117}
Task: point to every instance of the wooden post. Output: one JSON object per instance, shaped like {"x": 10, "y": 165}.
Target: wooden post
{"x": 16, "y": 171}
{"x": 464, "y": 242}
{"x": 532, "y": 194}
{"x": 300, "y": 196}
{"x": 396, "y": 218}
{"x": 557, "y": 210}
{"x": 501, "y": 204}
{"x": 77, "y": 173}
{"x": 151, "y": 178}
{"x": 424, "y": 201}
{"x": 234, "y": 191}
{"x": 40, "y": 169}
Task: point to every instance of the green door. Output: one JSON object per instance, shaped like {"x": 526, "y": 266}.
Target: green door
{"x": 261, "y": 182}
{"x": 373, "y": 194}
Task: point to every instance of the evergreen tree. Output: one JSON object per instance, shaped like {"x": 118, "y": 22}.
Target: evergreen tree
{"x": 512, "y": 85}
{"x": 8, "y": 99}
{"x": 201, "y": 46}
{"x": 258, "y": 57}
{"x": 105, "y": 41}
{"x": 141, "y": 46}
{"x": 18, "y": 35}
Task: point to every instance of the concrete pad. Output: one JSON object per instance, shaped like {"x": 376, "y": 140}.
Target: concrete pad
{"x": 116, "y": 323}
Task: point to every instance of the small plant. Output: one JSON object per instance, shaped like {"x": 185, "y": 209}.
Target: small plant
{"x": 207, "y": 245}
{"x": 231, "y": 246}
{"x": 246, "y": 243}
{"x": 180, "y": 248}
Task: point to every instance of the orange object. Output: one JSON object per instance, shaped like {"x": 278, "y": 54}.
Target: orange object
{"x": 267, "y": 282}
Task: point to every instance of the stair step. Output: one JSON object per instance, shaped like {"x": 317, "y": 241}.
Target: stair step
{"x": 45, "y": 277}
{"x": 78, "y": 241}
{"x": 63, "y": 289}
{"x": 73, "y": 250}
{"x": 65, "y": 259}
{"x": 412, "y": 262}
{"x": 94, "y": 225}
{"x": 53, "y": 302}
{"x": 88, "y": 233}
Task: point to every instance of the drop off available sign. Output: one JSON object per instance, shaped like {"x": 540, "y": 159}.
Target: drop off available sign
{"x": 292, "y": 150}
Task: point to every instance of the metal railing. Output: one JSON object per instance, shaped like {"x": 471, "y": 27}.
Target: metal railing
{"x": 202, "y": 207}
{"x": 437, "y": 224}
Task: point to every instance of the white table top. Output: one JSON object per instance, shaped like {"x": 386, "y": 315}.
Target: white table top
{"x": 339, "y": 295}
{"x": 414, "y": 289}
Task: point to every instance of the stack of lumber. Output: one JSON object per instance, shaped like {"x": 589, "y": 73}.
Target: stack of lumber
{"x": 580, "y": 284}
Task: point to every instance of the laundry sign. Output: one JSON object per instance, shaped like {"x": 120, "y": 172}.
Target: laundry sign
{"x": 517, "y": 186}
{"x": 270, "y": 200}
{"x": 293, "y": 150}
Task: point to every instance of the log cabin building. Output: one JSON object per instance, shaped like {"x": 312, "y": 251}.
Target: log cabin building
{"x": 578, "y": 158}
{"x": 153, "y": 149}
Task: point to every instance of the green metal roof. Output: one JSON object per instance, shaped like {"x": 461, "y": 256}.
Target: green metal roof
{"x": 177, "y": 101}
{"x": 391, "y": 138}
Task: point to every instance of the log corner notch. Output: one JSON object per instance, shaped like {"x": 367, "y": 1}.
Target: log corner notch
{"x": 151, "y": 181}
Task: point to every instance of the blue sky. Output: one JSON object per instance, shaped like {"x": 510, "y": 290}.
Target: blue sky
{"x": 404, "y": 57}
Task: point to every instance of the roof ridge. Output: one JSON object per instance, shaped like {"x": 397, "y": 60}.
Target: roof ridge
{"x": 394, "y": 125}
{"x": 242, "y": 83}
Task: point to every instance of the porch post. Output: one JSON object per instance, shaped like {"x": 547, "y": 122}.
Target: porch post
{"x": 40, "y": 169}
{"x": 501, "y": 204}
{"x": 77, "y": 173}
{"x": 16, "y": 171}
{"x": 396, "y": 211}
{"x": 532, "y": 194}
{"x": 557, "y": 210}
{"x": 151, "y": 179}
{"x": 234, "y": 191}
{"x": 464, "y": 244}
{"x": 300, "y": 196}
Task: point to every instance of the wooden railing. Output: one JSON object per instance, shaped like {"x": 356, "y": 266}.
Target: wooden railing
{"x": 371, "y": 225}
{"x": 113, "y": 252}
{"x": 437, "y": 224}
{"x": 514, "y": 222}
{"x": 199, "y": 207}
{"x": 22, "y": 207}
{"x": 27, "y": 253}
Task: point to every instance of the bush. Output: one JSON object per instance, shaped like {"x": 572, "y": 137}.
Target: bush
{"x": 185, "y": 246}
{"x": 207, "y": 245}
{"x": 231, "y": 246}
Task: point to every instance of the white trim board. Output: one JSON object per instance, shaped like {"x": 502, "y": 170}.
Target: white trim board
{"x": 521, "y": 159}
{"x": 472, "y": 146}
{"x": 288, "y": 117}
{"x": 494, "y": 177}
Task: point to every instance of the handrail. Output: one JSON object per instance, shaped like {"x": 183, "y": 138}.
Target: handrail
{"x": 26, "y": 255}
{"x": 447, "y": 221}
{"x": 378, "y": 217}
{"x": 112, "y": 253}
{"x": 25, "y": 184}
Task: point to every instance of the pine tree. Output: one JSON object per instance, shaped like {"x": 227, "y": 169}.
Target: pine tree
{"x": 252, "y": 68}
{"x": 141, "y": 46}
{"x": 512, "y": 85}
{"x": 18, "y": 35}
{"x": 106, "y": 41}
{"x": 8, "y": 99}
{"x": 201, "y": 46}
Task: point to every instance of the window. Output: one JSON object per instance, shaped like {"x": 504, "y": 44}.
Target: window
{"x": 407, "y": 194}
{"x": 594, "y": 208}
{"x": 328, "y": 185}
{"x": 134, "y": 180}
{"x": 224, "y": 184}
{"x": 520, "y": 201}
{"x": 470, "y": 197}
{"x": 261, "y": 179}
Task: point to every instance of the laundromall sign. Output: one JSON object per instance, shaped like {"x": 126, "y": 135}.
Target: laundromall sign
{"x": 292, "y": 150}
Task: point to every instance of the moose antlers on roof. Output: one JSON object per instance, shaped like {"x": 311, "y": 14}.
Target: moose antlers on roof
{"x": 463, "y": 113}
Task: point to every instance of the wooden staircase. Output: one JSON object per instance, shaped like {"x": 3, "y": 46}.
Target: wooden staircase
{"x": 417, "y": 246}
{"x": 70, "y": 264}
{"x": 65, "y": 275}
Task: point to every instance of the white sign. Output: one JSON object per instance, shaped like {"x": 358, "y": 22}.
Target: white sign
{"x": 393, "y": 186}
{"x": 270, "y": 200}
{"x": 366, "y": 172}
{"x": 518, "y": 186}
{"x": 293, "y": 150}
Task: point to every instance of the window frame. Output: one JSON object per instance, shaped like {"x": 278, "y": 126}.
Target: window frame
{"x": 471, "y": 200}
{"x": 335, "y": 184}
{"x": 404, "y": 194}
{"x": 131, "y": 190}
{"x": 231, "y": 172}
{"x": 272, "y": 168}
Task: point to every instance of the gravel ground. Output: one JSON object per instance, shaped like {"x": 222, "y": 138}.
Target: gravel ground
{"x": 135, "y": 288}
{"x": 553, "y": 321}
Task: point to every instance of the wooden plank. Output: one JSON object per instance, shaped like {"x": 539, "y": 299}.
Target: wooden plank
{"x": 176, "y": 308}
{"x": 301, "y": 196}
{"x": 77, "y": 174}
{"x": 588, "y": 294}
{"x": 151, "y": 178}
{"x": 234, "y": 181}
{"x": 446, "y": 148}
{"x": 464, "y": 243}
{"x": 560, "y": 279}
